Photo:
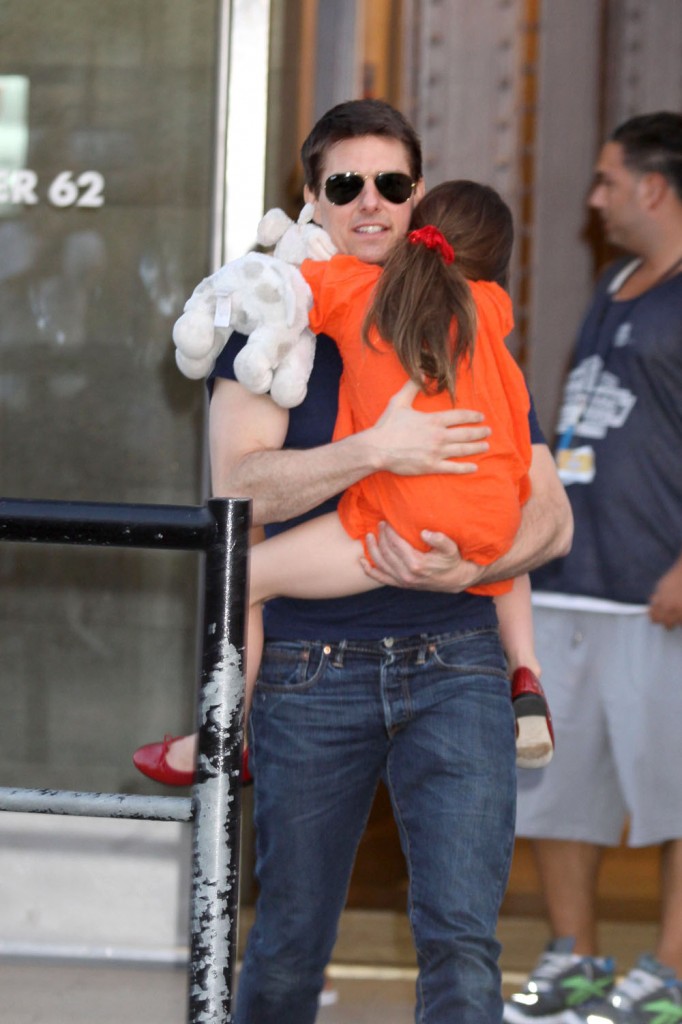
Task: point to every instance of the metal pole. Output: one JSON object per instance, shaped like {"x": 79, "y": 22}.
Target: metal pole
{"x": 217, "y": 793}
{"x": 96, "y": 805}
{"x": 187, "y": 527}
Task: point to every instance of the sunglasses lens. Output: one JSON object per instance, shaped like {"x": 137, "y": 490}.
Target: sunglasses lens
{"x": 341, "y": 189}
{"x": 393, "y": 186}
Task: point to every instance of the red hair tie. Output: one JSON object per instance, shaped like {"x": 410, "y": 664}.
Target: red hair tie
{"x": 432, "y": 238}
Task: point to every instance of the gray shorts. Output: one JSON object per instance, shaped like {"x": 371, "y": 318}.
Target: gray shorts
{"x": 614, "y": 686}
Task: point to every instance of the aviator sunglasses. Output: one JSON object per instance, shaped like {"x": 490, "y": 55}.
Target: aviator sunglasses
{"x": 394, "y": 186}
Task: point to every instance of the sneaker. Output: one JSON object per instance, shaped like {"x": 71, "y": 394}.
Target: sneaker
{"x": 649, "y": 994}
{"x": 534, "y": 733}
{"x": 559, "y": 981}
{"x": 328, "y": 996}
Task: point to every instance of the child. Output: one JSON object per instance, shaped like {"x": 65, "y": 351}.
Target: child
{"x": 453, "y": 349}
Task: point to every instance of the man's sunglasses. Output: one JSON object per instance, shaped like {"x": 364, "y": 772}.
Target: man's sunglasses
{"x": 341, "y": 189}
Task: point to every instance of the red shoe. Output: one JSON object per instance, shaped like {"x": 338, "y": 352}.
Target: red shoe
{"x": 534, "y": 732}
{"x": 246, "y": 776}
{"x": 151, "y": 761}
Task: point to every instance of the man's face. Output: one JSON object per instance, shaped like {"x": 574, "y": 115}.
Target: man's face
{"x": 369, "y": 226}
{"x": 617, "y": 194}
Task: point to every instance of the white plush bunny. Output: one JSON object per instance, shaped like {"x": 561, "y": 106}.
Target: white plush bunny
{"x": 266, "y": 298}
{"x": 294, "y": 241}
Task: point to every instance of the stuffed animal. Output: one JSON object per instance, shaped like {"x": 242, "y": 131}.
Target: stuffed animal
{"x": 294, "y": 241}
{"x": 266, "y": 298}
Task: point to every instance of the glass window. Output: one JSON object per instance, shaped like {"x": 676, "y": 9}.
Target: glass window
{"x": 106, "y": 150}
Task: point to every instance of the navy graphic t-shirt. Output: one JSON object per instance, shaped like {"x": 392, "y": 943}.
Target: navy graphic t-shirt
{"x": 620, "y": 428}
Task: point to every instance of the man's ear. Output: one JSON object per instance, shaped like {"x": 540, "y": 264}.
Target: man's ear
{"x": 310, "y": 197}
{"x": 653, "y": 188}
{"x": 420, "y": 190}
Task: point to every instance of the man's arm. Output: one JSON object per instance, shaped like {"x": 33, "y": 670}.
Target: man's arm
{"x": 665, "y": 606}
{"x": 247, "y": 431}
{"x": 546, "y": 532}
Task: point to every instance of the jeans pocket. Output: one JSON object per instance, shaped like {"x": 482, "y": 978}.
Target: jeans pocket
{"x": 292, "y": 668}
{"x": 478, "y": 652}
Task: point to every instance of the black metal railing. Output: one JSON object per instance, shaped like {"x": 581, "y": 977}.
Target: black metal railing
{"x": 220, "y": 531}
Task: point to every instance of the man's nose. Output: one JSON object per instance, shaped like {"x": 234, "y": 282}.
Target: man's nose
{"x": 594, "y": 200}
{"x": 370, "y": 196}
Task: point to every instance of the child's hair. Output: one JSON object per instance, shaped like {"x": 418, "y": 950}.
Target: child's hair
{"x": 419, "y": 294}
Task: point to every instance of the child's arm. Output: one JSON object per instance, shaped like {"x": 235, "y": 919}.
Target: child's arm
{"x": 534, "y": 734}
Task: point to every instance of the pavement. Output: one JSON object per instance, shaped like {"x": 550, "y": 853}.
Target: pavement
{"x": 40, "y": 990}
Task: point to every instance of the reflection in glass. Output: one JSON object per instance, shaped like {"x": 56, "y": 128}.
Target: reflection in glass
{"x": 112, "y": 122}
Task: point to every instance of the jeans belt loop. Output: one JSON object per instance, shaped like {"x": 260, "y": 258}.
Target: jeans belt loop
{"x": 423, "y": 649}
{"x": 340, "y": 654}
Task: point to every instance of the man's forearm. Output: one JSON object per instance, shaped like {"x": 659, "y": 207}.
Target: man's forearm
{"x": 247, "y": 459}
{"x": 546, "y": 529}
{"x": 285, "y": 483}
{"x": 545, "y": 533}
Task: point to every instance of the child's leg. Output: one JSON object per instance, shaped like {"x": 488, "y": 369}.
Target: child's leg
{"x": 181, "y": 752}
{"x": 515, "y": 616}
{"x": 534, "y": 736}
{"x": 314, "y": 560}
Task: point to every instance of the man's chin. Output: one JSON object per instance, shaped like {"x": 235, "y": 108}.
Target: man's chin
{"x": 372, "y": 248}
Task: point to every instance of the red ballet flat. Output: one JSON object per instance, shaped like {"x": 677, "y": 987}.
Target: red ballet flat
{"x": 247, "y": 777}
{"x": 534, "y": 731}
{"x": 152, "y": 761}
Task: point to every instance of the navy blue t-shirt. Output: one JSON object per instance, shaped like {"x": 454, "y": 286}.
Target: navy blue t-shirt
{"x": 387, "y": 611}
{"x": 621, "y": 424}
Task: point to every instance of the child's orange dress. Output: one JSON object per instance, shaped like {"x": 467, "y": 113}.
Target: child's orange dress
{"x": 480, "y": 511}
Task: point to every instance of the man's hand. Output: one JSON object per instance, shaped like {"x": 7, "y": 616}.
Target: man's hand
{"x": 398, "y": 564}
{"x": 665, "y": 606}
{"x": 545, "y": 532}
{"x": 410, "y": 443}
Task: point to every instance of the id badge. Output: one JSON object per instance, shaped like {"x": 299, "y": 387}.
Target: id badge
{"x": 576, "y": 465}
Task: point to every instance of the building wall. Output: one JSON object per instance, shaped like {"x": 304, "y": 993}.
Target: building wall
{"x": 529, "y": 120}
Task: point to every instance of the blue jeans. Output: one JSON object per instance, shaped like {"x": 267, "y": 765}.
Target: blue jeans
{"x": 432, "y": 717}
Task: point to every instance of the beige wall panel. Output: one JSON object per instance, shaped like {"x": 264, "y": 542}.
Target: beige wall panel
{"x": 566, "y": 142}
{"x": 465, "y": 88}
{"x": 462, "y": 89}
{"x": 645, "y": 58}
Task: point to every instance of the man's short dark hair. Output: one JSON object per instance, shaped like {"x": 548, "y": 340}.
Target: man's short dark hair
{"x": 653, "y": 142}
{"x": 354, "y": 119}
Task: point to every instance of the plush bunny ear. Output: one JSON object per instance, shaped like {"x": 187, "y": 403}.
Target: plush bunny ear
{"x": 306, "y": 214}
{"x": 272, "y": 227}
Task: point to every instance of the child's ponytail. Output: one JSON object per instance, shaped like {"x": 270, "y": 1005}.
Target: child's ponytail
{"x": 423, "y": 305}
{"x": 462, "y": 231}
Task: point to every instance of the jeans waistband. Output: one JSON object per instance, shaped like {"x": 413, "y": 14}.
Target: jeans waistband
{"x": 419, "y": 646}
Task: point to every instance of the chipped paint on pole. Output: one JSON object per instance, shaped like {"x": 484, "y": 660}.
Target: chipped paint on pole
{"x": 221, "y": 531}
{"x": 217, "y": 792}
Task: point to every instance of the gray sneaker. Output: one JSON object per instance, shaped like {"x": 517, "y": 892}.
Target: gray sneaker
{"x": 649, "y": 994}
{"x": 560, "y": 981}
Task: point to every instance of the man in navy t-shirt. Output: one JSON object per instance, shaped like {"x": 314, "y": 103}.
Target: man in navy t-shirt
{"x": 608, "y": 616}
{"x": 406, "y": 683}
